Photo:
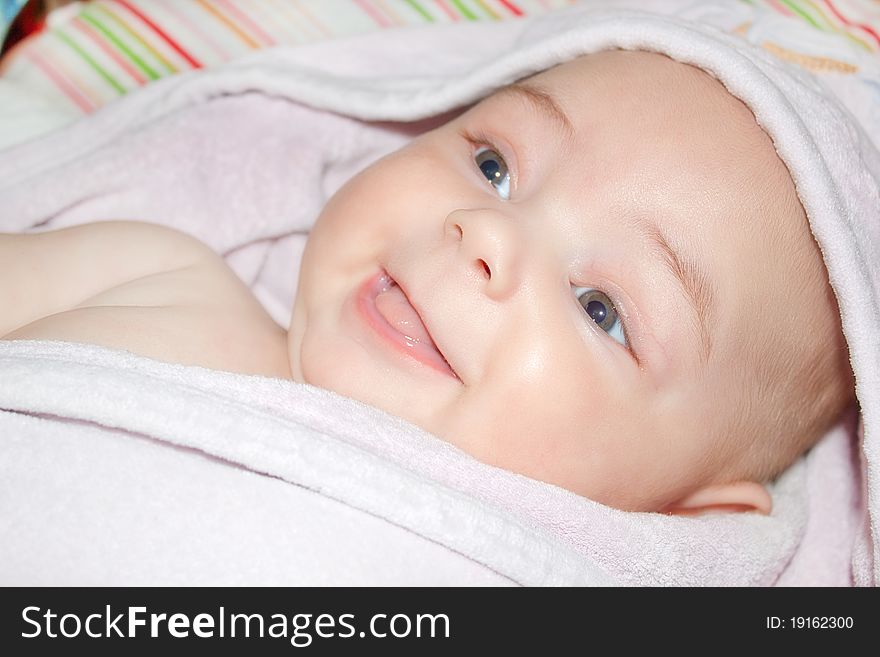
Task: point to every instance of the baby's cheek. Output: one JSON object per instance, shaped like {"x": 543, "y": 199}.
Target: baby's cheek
{"x": 361, "y": 216}
{"x": 521, "y": 415}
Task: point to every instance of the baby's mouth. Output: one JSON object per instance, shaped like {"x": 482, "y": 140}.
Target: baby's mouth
{"x": 390, "y": 312}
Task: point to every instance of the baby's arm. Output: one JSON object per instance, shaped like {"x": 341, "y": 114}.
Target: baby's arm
{"x": 43, "y": 274}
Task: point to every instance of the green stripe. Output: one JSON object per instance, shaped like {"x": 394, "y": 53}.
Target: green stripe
{"x": 830, "y": 27}
{"x": 91, "y": 62}
{"x": 141, "y": 64}
{"x": 464, "y": 10}
{"x": 801, "y": 13}
{"x": 134, "y": 35}
{"x": 828, "y": 24}
{"x": 424, "y": 13}
{"x": 834, "y": 29}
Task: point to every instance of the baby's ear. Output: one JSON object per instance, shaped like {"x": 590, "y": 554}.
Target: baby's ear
{"x": 732, "y": 498}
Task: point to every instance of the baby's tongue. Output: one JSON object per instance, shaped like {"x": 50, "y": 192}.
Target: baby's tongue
{"x": 393, "y": 305}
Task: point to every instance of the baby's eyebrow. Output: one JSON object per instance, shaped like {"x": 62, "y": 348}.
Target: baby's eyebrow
{"x": 695, "y": 283}
{"x": 543, "y": 103}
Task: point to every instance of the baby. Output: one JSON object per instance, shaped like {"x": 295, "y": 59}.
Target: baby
{"x": 600, "y": 277}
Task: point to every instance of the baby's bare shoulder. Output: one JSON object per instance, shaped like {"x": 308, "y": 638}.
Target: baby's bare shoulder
{"x": 141, "y": 287}
{"x": 124, "y": 249}
{"x": 46, "y": 273}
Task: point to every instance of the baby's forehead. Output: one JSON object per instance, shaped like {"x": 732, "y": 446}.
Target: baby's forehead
{"x": 648, "y": 102}
{"x": 647, "y": 79}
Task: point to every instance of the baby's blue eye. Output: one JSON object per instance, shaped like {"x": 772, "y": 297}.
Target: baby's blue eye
{"x": 492, "y": 166}
{"x": 599, "y": 308}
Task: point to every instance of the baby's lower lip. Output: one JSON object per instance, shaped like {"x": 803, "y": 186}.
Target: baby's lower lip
{"x": 419, "y": 345}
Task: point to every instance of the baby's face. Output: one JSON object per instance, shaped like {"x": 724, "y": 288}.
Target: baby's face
{"x": 561, "y": 280}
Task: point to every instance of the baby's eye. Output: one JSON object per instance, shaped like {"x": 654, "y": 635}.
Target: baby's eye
{"x": 495, "y": 169}
{"x": 599, "y": 308}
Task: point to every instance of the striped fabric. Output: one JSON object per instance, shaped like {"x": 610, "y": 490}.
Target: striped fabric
{"x": 98, "y": 50}
{"x": 105, "y": 48}
{"x": 857, "y": 20}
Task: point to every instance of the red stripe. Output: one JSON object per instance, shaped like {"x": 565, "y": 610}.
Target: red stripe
{"x": 516, "y": 11}
{"x": 446, "y": 8}
{"x": 86, "y": 29}
{"x": 866, "y": 28}
{"x": 72, "y": 92}
{"x": 171, "y": 7}
{"x": 159, "y": 31}
{"x": 243, "y": 18}
{"x": 782, "y": 9}
{"x": 373, "y": 13}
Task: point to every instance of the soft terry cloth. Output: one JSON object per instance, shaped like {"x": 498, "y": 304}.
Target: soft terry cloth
{"x": 244, "y": 157}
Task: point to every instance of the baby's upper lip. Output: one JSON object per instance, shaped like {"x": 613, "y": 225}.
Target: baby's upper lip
{"x": 406, "y": 291}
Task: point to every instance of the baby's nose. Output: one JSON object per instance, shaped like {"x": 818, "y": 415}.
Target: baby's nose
{"x": 490, "y": 246}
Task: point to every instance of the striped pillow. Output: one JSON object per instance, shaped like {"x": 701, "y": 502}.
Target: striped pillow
{"x": 96, "y": 51}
